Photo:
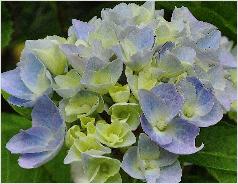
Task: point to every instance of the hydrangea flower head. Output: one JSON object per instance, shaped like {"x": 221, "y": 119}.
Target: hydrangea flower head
{"x": 133, "y": 88}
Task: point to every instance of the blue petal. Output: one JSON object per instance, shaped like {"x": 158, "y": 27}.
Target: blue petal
{"x": 185, "y": 54}
{"x": 152, "y": 106}
{"x": 196, "y": 83}
{"x": 206, "y": 109}
{"x": 75, "y": 55}
{"x": 196, "y": 95}
{"x": 12, "y": 84}
{"x": 20, "y": 102}
{"x": 33, "y": 140}
{"x": 210, "y": 41}
{"x": 139, "y": 60}
{"x": 34, "y": 160}
{"x": 151, "y": 175}
{"x": 95, "y": 64}
{"x": 120, "y": 14}
{"x": 170, "y": 174}
{"x": 33, "y": 73}
{"x": 166, "y": 158}
{"x": 205, "y": 101}
{"x": 226, "y": 96}
{"x": 142, "y": 38}
{"x": 82, "y": 29}
{"x": 46, "y": 114}
{"x": 130, "y": 163}
{"x": 183, "y": 13}
{"x": 171, "y": 97}
{"x": 117, "y": 49}
{"x": 159, "y": 137}
{"x": 211, "y": 118}
{"x": 227, "y": 59}
{"x": 163, "y": 49}
{"x": 183, "y": 135}
{"x": 112, "y": 72}
{"x": 147, "y": 149}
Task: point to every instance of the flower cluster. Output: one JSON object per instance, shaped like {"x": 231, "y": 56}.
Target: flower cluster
{"x": 129, "y": 74}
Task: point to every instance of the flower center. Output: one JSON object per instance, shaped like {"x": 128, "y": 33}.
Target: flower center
{"x": 149, "y": 164}
{"x": 161, "y": 125}
{"x": 114, "y": 138}
{"x": 188, "y": 112}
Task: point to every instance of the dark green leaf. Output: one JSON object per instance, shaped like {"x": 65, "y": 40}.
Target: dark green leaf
{"x": 219, "y": 151}
{"x": 58, "y": 170}
{"x": 7, "y": 27}
{"x": 196, "y": 174}
{"x": 34, "y": 20}
{"x": 223, "y": 176}
{"x": 232, "y": 115}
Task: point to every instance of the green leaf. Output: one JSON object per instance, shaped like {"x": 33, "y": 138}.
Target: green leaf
{"x": 58, "y": 171}
{"x": 223, "y": 176}
{"x": 196, "y": 174}
{"x": 219, "y": 151}
{"x": 26, "y": 112}
{"x": 7, "y": 27}
{"x": 54, "y": 171}
{"x": 232, "y": 115}
{"x": 30, "y": 27}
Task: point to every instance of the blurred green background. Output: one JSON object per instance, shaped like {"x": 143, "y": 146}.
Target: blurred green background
{"x": 33, "y": 20}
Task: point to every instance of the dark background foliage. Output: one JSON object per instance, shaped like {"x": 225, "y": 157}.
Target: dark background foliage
{"x": 33, "y": 20}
